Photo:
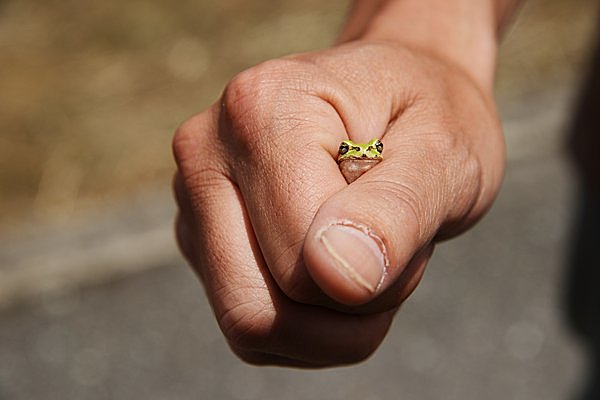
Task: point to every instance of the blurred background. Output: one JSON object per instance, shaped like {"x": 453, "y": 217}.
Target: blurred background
{"x": 95, "y": 301}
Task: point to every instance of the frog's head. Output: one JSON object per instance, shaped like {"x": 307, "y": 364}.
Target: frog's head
{"x": 350, "y": 150}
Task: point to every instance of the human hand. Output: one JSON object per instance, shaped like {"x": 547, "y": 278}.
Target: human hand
{"x": 300, "y": 268}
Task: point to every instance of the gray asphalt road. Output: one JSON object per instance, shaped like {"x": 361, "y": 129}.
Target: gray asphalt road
{"x": 486, "y": 322}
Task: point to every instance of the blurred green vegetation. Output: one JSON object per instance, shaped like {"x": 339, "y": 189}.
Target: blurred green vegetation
{"x": 91, "y": 92}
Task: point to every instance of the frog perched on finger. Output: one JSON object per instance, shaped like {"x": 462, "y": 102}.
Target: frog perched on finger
{"x": 354, "y": 159}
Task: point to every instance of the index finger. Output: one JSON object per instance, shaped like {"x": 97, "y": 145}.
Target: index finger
{"x": 282, "y": 142}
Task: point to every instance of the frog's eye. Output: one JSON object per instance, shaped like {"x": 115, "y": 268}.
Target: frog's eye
{"x": 379, "y": 146}
{"x": 343, "y": 148}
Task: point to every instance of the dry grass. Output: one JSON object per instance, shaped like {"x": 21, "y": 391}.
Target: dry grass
{"x": 92, "y": 91}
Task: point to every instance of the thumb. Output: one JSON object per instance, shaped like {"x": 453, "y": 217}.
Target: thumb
{"x": 364, "y": 237}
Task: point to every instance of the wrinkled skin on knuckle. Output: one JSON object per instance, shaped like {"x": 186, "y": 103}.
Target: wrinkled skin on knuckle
{"x": 460, "y": 181}
{"x": 195, "y": 159}
{"x": 443, "y": 185}
{"x": 298, "y": 286}
{"x": 184, "y": 140}
{"x": 260, "y": 101}
{"x": 295, "y": 282}
{"x": 458, "y": 168}
{"x": 254, "y": 335}
{"x": 247, "y": 326}
{"x": 465, "y": 147}
{"x": 474, "y": 144}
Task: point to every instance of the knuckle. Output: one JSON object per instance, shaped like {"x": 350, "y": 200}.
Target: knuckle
{"x": 453, "y": 154}
{"x": 459, "y": 168}
{"x": 457, "y": 177}
{"x": 292, "y": 277}
{"x": 243, "y": 95}
{"x": 187, "y": 139}
{"x": 247, "y": 326}
{"x": 181, "y": 141}
{"x": 443, "y": 141}
{"x": 297, "y": 286}
{"x": 197, "y": 163}
{"x": 257, "y": 101}
{"x": 259, "y": 80}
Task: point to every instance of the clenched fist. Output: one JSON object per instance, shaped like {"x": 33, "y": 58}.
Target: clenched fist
{"x": 301, "y": 268}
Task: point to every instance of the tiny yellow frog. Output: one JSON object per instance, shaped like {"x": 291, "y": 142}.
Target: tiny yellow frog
{"x": 354, "y": 159}
{"x": 350, "y": 150}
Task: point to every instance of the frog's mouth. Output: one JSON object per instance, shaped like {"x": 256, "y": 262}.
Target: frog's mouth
{"x": 352, "y": 168}
{"x": 361, "y": 157}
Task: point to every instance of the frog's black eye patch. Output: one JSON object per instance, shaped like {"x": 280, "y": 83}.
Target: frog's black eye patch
{"x": 379, "y": 146}
{"x": 343, "y": 148}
